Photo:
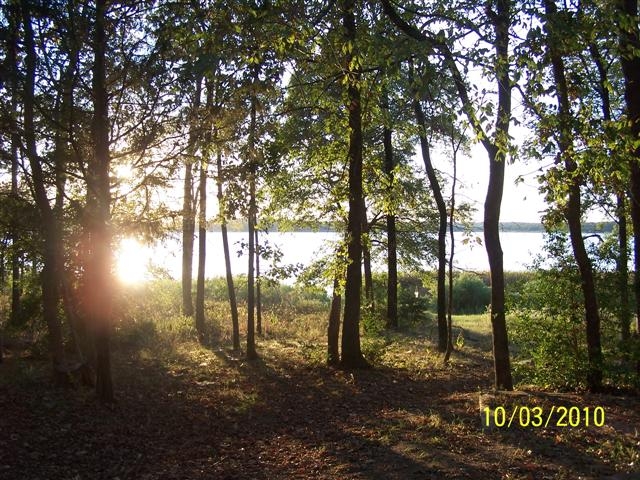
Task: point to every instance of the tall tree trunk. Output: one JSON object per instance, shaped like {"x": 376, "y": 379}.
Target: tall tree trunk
{"x": 496, "y": 148}
{"x": 233, "y": 303}
{"x": 251, "y": 342}
{"x": 574, "y": 205}
{"x": 351, "y": 352}
{"x": 49, "y": 277}
{"x": 368, "y": 273}
{"x": 622, "y": 268}
{"x": 2, "y": 281}
{"x": 188, "y": 210}
{"x": 333, "y": 329}
{"x": 497, "y": 159}
{"x": 12, "y": 47}
{"x": 98, "y": 272}
{"x": 630, "y": 60}
{"x": 452, "y": 241}
{"x": 442, "y": 225}
{"x": 258, "y": 291}
{"x": 392, "y": 240}
{"x": 202, "y": 250}
{"x": 188, "y": 232}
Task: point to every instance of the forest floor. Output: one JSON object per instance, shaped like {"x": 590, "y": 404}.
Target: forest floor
{"x": 197, "y": 413}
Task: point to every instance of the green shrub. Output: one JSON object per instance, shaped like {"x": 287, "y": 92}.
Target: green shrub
{"x": 470, "y": 294}
{"x": 548, "y": 325}
{"x": 413, "y": 309}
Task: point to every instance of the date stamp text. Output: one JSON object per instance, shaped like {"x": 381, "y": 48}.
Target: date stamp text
{"x": 538, "y": 417}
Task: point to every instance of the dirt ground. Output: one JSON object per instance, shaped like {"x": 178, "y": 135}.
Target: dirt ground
{"x": 207, "y": 414}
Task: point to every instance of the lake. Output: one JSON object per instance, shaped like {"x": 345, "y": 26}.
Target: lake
{"x": 520, "y": 248}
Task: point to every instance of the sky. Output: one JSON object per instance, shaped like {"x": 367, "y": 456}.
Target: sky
{"x": 520, "y": 203}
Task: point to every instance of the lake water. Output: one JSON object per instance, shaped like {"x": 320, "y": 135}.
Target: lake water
{"x": 519, "y": 249}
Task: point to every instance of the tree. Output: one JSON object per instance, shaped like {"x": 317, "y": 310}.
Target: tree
{"x": 392, "y": 234}
{"x": 98, "y": 279}
{"x": 351, "y": 353}
{"x": 496, "y": 145}
{"x": 251, "y": 220}
{"x": 202, "y": 225}
{"x": 452, "y": 210}
{"x": 233, "y": 304}
{"x": 50, "y": 276}
{"x": 442, "y": 225}
{"x": 12, "y": 13}
{"x": 572, "y": 210}
{"x": 629, "y": 44}
{"x": 188, "y": 206}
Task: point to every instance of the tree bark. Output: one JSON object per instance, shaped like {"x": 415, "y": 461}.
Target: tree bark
{"x": 368, "y": 273}
{"x": 392, "y": 237}
{"x": 188, "y": 208}
{"x": 12, "y": 59}
{"x": 333, "y": 329}
{"x": 233, "y": 303}
{"x": 574, "y": 205}
{"x": 98, "y": 272}
{"x": 258, "y": 291}
{"x": 251, "y": 342}
{"x": 442, "y": 226}
{"x": 188, "y": 232}
{"x": 630, "y": 61}
{"x": 202, "y": 250}
{"x": 622, "y": 268}
{"x": 50, "y": 231}
{"x": 452, "y": 211}
{"x": 351, "y": 351}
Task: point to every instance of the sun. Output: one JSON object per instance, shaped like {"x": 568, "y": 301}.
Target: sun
{"x": 132, "y": 261}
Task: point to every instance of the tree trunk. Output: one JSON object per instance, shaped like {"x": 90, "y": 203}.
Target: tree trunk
{"x": 333, "y": 330}
{"x": 496, "y": 149}
{"x": 452, "y": 211}
{"x": 50, "y": 235}
{"x": 188, "y": 210}
{"x": 630, "y": 60}
{"x": 368, "y": 273}
{"x": 98, "y": 273}
{"x": 188, "y": 231}
{"x": 574, "y": 206}
{"x": 442, "y": 226}
{"x": 258, "y": 292}
{"x": 392, "y": 241}
{"x": 12, "y": 46}
{"x": 251, "y": 342}
{"x": 622, "y": 268}
{"x": 202, "y": 250}
{"x": 351, "y": 352}
{"x": 233, "y": 304}
{"x": 497, "y": 159}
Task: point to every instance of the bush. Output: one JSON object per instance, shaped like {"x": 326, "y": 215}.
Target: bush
{"x": 470, "y": 294}
{"x": 547, "y": 326}
{"x": 547, "y": 330}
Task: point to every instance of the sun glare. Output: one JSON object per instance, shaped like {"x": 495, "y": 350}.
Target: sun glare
{"x": 132, "y": 260}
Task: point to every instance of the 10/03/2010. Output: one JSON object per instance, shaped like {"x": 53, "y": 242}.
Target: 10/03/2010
{"x": 537, "y": 417}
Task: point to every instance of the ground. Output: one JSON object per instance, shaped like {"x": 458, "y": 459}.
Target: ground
{"x": 206, "y": 413}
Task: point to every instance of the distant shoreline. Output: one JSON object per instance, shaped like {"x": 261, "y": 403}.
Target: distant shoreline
{"x": 522, "y": 227}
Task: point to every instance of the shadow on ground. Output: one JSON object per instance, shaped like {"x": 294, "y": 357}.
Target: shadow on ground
{"x": 211, "y": 414}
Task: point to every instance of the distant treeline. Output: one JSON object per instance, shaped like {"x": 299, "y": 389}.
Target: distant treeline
{"x": 533, "y": 227}
{"x": 587, "y": 227}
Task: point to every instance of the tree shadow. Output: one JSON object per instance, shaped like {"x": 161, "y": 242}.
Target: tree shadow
{"x": 215, "y": 415}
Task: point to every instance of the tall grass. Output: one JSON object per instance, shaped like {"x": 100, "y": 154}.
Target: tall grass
{"x": 150, "y": 313}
